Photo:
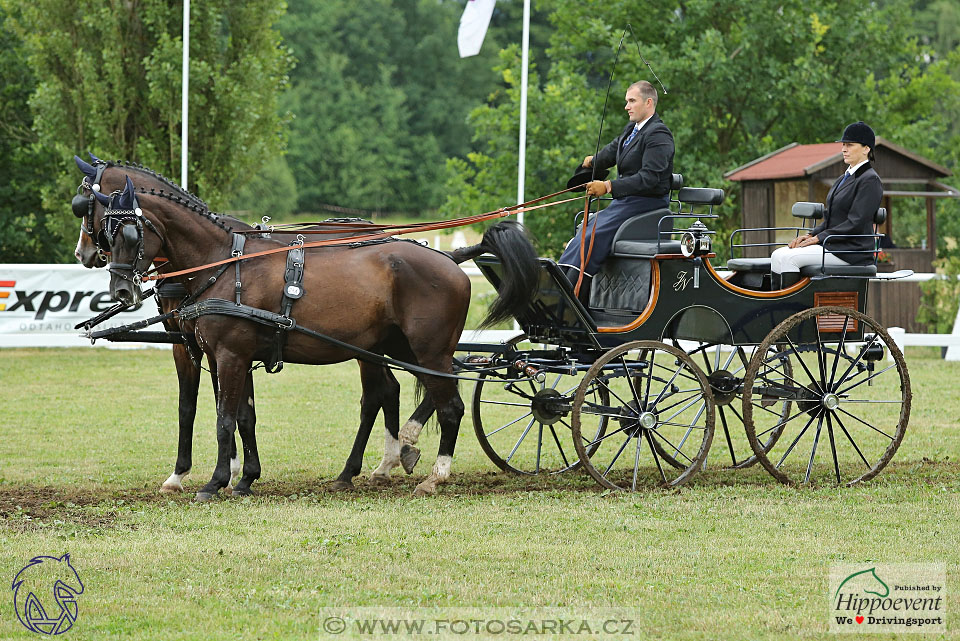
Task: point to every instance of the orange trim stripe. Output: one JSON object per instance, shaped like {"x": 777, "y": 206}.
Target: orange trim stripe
{"x": 651, "y": 304}
{"x": 753, "y": 293}
{"x": 4, "y": 294}
{"x": 7, "y": 283}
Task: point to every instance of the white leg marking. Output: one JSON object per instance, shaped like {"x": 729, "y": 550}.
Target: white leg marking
{"x": 234, "y": 470}
{"x": 441, "y": 469}
{"x": 174, "y": 482}
{"x": 410, "y": 432}
{"x": 391, "y": 456}
{"x": 250, "y": 401}
{"x": 440, "y": 473}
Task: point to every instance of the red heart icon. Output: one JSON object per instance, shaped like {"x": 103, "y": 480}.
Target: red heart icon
{"x": 859, "y": 619}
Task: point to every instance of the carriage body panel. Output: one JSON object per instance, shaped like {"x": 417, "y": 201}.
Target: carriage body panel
{"x": 687, "y": 300}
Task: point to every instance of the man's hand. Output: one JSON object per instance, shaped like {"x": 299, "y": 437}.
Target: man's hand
{"x": 803, "y": 241}
{"x": 588, "y": 161}
{"x": 597, "y": 187}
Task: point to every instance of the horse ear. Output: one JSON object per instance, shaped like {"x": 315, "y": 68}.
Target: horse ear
{"x": 95, "y": 160}
{"x": 85, "y": 167}
{"x": 65, "y": 557}
{"x": 103, "y": 198}
{"x": 127, "y": 196}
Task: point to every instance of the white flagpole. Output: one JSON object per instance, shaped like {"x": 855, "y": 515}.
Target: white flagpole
{"x": 184, "y": 106}
{"x": 522, "y": 155}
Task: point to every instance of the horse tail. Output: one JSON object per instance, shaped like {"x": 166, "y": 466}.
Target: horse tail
{"x": 508, "y": 241}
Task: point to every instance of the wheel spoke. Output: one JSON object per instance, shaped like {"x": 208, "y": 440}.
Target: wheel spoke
{"x": 507, "y": 403}
{"x": 619, "y": 452}
{"x": 726, "y": 433}
{"x": 813, "y": 379}
{"x": 813, "y": 452}
{"x": 859, "y": 357}
{"x": 636, "y": 466}
{"x": 556, "y": 440}
{"x": 520, "y": 440}
{"x": 796, "y": 440}
{"x": 680, "y": 411}
{"x": 672, "y": 446}
{"x": 857, "y": 418}
{"x": 836, "y": 359}
{"x": 656, "y": 458}
{"x": 852, "y": 442}
{"x": 503, "y": 427}
{"x": 871, "y": 377}
{"x": 821, "y": 364}
{"x": 833, "y": 447}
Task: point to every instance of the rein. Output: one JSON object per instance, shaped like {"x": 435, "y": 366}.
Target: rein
{"x": 379, "y": 232}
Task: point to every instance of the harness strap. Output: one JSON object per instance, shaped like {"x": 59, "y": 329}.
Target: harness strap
{"x": 403, "y": 229}
{"x": 264, "y": 317}
{"x": 292, "y": 290}
{"x": 236, "y": 251}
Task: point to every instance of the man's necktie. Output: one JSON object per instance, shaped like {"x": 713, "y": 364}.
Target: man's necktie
{"x": 630, "y": 137}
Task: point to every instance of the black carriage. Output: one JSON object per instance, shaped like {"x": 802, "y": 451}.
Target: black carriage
{"x": 671, "y": 349}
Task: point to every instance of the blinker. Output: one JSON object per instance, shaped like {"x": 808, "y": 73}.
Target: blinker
{"x": 80, "y": 205}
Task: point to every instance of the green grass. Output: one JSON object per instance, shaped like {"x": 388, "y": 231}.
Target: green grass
{"x": 90, "y": 434}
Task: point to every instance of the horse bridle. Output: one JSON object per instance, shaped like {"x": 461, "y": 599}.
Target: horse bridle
{"x": 83, "y": 208}
{"x": 113, "y": 222}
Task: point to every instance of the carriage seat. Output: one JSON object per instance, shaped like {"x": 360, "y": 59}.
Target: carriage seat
{"x": 644, "y": 248}
{"x": 815, "y": 271}
{"x": 749, "y": 265}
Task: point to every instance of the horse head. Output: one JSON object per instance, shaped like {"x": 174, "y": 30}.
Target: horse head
{"x": 90, "y": 251}
{"x": 119, "y": 222}
{"x": 106, "y": 177}
{"x": 45, "y": 581}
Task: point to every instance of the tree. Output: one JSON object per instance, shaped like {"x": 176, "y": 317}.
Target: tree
{"x": 108, "y": 81}
{"x": 381, "y": 98}
{"x": 743, "y": 79}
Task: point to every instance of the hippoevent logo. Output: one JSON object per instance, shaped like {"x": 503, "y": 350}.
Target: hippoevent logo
{"x": 45, "y": 594}
{"x": 888, "y": 598}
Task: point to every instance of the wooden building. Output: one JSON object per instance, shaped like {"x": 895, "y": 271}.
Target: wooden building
{"x": 912, "y": 185}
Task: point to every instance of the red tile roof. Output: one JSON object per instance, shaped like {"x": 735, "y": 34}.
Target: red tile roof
{"x": 794, "y": 161}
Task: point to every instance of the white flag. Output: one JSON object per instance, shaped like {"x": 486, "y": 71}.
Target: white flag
{"x": 473, "y": 26}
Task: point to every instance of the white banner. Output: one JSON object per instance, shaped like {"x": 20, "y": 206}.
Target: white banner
{"x": 40, "y": 304}
{"x": 473, "y": 26}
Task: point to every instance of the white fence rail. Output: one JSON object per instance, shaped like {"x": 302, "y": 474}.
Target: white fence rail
{"x": 40, "y": 304}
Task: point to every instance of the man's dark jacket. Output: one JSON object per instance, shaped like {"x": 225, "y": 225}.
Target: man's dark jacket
{"x": 851, "y": 207}
{"x": 645, "y": 165}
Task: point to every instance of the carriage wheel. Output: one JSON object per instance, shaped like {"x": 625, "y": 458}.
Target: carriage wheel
{"x": 850, "y": 405}
{"x": 726, "y": 366}
{"x": 523, "y": 424}
{"x": 663, "y": 415}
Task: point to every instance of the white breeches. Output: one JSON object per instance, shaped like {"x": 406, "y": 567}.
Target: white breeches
{"x": 785, "y": 260}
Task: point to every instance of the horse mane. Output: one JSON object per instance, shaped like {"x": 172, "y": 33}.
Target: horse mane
{"x": 126, "y": 164}
{"x": 203, "y": 212}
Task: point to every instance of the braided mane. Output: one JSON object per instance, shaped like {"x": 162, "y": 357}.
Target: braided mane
{"x": 180, "y": 199}
{"x": 126, "y": 164}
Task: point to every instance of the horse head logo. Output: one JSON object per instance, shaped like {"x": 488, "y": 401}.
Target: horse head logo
{"x": 45, "y": 594}
{"x": 866, "y": 581}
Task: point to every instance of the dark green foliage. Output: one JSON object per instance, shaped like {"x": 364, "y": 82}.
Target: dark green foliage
{"x": 380, "y": 98}
{"x": 105, "y": 77}
{"x": 743, "y": 79}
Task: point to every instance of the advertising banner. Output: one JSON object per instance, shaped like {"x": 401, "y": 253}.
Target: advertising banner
{"x": 40, "y": 304}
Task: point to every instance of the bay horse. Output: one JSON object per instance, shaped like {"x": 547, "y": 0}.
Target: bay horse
{"x": 381, "y": 390}
{"x": 398, "y": 299}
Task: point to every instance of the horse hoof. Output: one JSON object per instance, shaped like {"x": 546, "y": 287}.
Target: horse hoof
{"x": 341, "y": 486}
{"x": 409, "y": 456}
{"x": 425, "y": 489}
{"x": 379, "y": 479}
{"x": 203, "y": 497}
{"x": 171, "y": 489}
{"x": 238, "y": 492}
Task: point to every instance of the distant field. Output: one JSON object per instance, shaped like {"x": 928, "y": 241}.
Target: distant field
{"x": 89, "y": 434}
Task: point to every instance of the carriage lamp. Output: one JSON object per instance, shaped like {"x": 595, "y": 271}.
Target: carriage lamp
{"x": 695, "y": 241}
